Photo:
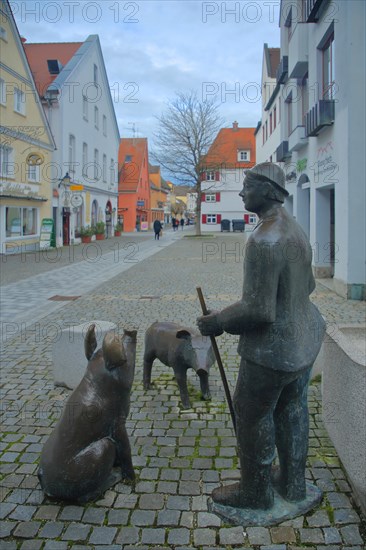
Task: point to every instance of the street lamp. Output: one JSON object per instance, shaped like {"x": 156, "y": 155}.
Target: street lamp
{"x": 65, "y": 181}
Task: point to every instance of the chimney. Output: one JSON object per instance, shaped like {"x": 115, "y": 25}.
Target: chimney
{"x": 235, "y": 126}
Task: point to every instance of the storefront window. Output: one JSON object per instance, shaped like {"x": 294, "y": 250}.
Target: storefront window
{"x": 21, "y": 222}
{"x": 29, "y": 221}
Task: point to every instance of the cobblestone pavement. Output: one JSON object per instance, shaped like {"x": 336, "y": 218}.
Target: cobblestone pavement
{"x": 179, "y": 456}
{"x": 37, "y": 280}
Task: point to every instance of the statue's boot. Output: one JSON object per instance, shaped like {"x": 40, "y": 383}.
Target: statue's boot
{"x": 290, "y": 482}
{"x": 256, "y": 493}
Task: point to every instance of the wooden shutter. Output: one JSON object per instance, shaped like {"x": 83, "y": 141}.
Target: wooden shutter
{"x": 217, "y": 176}
{"x": 218, "y": 218}
{"x": 204, "y": 218}
{"x": 203, "y": 197}
{"x": 218, "y": 195}
{"x": 246, "y": 218}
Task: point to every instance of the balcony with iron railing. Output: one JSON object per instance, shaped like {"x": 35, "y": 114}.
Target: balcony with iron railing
{"x": 282, "y": 70}
{"x": 282, "y": 152}
{"x": 297, "y": 139}
{"x": 320, "y": 115}
{"x": 314, "y": 9}
{"x": 298, "y": 51}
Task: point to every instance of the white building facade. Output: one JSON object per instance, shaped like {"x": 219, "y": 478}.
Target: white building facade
{"x": 322, "y": 79}
{"x": 80, "y": 111}
{"x": 268, "y": 134}
{"x": 232, "y": 152}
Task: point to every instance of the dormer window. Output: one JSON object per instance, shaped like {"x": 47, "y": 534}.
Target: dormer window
{"x": 244, "y": 155}
{"x": 54, "y": 66}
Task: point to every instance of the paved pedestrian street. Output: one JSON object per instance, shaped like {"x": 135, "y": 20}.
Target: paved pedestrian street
{"x": 179, "y": 455}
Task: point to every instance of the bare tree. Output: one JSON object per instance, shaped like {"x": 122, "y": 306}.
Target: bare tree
{"x": 186, "y": 130}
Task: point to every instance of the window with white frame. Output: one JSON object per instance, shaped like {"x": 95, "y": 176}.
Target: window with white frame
{"x": 33, "y": 173}
{"x": 304, "y": 98}
{"x": 244, "y": 155}
{"x": 85, "y": 159}
{"x": 210, "y": 176}
{"x": 19, "y": 101}
{"x": 104, "y": 125}
{"x": 2, "y": 92}
{"x": 72, "y": 150}
{"x": 96, "y": 164}
{"x": 96, "y": 117}
{"x": 21, "y": 222}
{"x": 85, "y": 107}
{"x": 112, "y": 173}
{"x": 211, "y": 218}
{"x": 210, "y": 197}
{"x": 328, "y": 68}
{"x": 104, "y": 169}
{"x": 288, "y": 102}
{"x": 252, "y": 218}
{"x": 6, "y": 161}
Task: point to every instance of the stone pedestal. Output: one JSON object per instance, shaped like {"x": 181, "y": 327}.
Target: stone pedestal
{"x": 282, "y": 510}
{"x": 68, "y": 356}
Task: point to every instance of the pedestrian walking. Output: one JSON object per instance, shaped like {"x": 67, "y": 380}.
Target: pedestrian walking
{"x": 157, "y": 229}
{"x": 173, "y": 223}
{"x": 182, "y": 223}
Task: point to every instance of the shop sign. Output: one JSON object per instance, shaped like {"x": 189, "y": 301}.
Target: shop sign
{"x": 144, "y": 226}
{"x": 47, "y": 233}
{"x": 76, "y": 200}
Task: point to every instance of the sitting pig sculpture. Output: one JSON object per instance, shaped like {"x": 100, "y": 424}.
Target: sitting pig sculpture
{"x": 90, "y": 438}
{"x": 180, "y": 348}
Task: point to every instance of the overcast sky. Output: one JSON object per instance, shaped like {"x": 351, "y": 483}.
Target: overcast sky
{"x": 154, "y": 48}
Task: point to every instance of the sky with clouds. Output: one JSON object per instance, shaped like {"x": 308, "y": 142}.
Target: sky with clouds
{"x": 155, "y": 48}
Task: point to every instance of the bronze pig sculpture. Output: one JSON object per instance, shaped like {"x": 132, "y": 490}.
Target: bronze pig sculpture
{"x": 180, "y": 348}
{"x": 90, "y": 437}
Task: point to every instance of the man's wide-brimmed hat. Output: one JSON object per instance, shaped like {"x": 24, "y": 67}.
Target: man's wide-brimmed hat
{"x": 270, "y": 172}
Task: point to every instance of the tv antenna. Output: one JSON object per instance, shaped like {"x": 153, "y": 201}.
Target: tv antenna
{"x": 134, "y": 129}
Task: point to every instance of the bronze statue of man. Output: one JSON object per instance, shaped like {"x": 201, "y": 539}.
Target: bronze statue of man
{"x": 281, "y": 332}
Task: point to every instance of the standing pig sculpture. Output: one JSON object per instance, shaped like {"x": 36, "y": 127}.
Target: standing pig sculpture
{"x": 90, "y": 438}
{"x": 180, "y": 348}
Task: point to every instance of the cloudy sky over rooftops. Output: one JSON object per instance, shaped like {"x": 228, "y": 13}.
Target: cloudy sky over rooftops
{"x": 154, "y": 48}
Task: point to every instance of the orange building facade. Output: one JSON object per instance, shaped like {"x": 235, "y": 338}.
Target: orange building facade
{"x": 158, "y": 194}
{"x": 134, "y": 208}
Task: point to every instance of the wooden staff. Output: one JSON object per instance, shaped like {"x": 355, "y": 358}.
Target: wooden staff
{"x": 219, "y": 362}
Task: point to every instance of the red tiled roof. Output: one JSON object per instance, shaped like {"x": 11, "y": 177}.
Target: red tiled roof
{"x": 224, "y": 150}
{"x": 129, "y": 172}
{"x": 39, "y": 54}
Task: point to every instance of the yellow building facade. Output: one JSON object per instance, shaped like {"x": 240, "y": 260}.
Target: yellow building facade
{"x": 26, "y": 146}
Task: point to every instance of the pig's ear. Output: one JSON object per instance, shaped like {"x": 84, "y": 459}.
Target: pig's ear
{"x": 90, "y": 342}
{"x": 113, "y": 352}
{"x": 183, "y": 334}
